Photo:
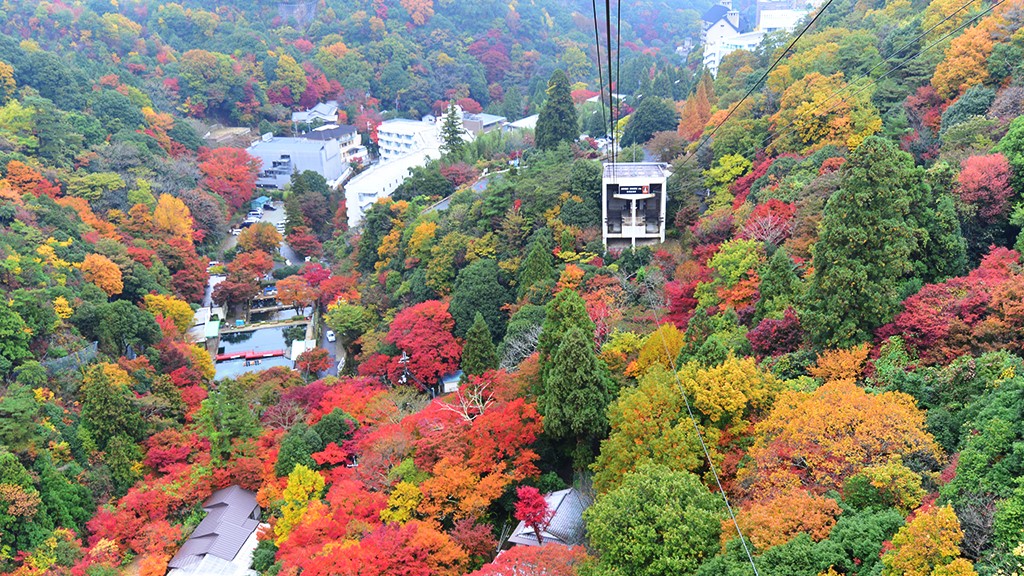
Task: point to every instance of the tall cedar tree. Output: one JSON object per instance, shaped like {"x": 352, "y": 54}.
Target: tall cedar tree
{"x": 557, "y": 122}
{"x": 565, "y": 311}
{"x": 479, "y": 355}
{"x": 537, "y": 268}
{"x": 477, "y": 290}
{"x": 779, "y": 285}
{"x": 452, "y": 132}
{"x": 863, "y": 255}
{"x": 577, "y": 390}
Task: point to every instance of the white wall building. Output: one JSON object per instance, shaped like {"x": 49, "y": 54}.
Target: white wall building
{"x": 381, "y": 180}
{"x": 401, "y": 137}
{"x": 633, "y": 204}
{"x": 721, "y": 32}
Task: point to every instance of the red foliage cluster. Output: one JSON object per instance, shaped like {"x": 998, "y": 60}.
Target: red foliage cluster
{"x": 770, "y": 222}
{"x": 970, "y": 314}
{"x": 459, "y": 173}
{"x": 984, "y": 182}
{"x": 229, "y": 173}
{"x": 773, "y": 337}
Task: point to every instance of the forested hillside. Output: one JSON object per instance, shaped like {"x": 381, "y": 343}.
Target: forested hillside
{"x": 830, "y": 338}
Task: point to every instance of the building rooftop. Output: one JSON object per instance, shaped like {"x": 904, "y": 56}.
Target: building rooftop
{"x": 715, "y": 13}
{"x": 404, "y": 126}
{"x": 484, "y": 118}
{"x": 529, "y": 122}
{"x": 654, "y": 170}
{"x": 285, "y": 144}
{"x": 566, "y": 525}
{"x": 330, "y": 132}
{"x": 226, "y": 527}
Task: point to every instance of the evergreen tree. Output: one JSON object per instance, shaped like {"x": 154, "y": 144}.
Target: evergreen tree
{"x": 452, "y": 132}
{"x": 863, "y": 255}
{"x": 652, "y": 115}
{"x": 536, "y": 269}
{"x": 336, "y": 426}
{"x": 226, "y": 416}
{"x": 557, "y": 122}
{"x": 479, "y": 355}
{"x": 779, "y": 285}
{"x": 298, "y": 447}
{"x": 477, "y": 290}
{"x": 944, "y": 254}
{"x": 576, "y": 392}
{"x": 565, "y": 311}
{"x": 1012, "y": 146}
{"x": 107, "y": 409}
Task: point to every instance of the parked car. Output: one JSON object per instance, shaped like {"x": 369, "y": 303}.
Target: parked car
{"x": 236, "y": 231}
{"x": 330, "y": 336}
{"x": 269, "y": 206}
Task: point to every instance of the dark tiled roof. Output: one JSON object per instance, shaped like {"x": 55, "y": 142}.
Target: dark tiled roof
{"x": 566, "y": 525}
{"x": 715, "y": 13}
{"x": 330, "y": 133}
{"x": 226, "y": 527}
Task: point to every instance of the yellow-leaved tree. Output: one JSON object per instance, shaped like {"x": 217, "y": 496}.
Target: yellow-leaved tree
{"x": 929, "y": 545}
{"x": 304, "y": 485}
{"x": 171, "y": 308}
{"x": 810, "y": 119}
{"x": 172, "y": 217}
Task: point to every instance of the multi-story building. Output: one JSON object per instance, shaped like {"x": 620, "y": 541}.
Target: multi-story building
{"x": 380, "y": 182}
{"x": 400, "y": 137}
{"x": 347, "y": 137}
{"x": 283, "y": 156}
{"x": 477, "y": 124}
{"x": 721, "y": 35}
{"x": 633, "y": 204}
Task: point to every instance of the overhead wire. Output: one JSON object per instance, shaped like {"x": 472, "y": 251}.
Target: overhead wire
{"x": 608, "y": 40}
{"x": 755, "y": 85}
{"x": 619, "y": 68}
{"x": 700, "y": 437}
{"x": 600, "y": 74}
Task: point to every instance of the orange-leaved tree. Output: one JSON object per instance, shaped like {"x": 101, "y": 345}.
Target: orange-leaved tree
{"x": 102, "y": 272}
{"x": 776, "y": 521}
{"x": 832, "y": 433}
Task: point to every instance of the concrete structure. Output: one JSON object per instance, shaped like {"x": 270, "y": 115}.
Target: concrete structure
{"x": 477, "y": 124}
{"x": 633, "y": 204}
{"x": 284, "y": 156}
{"x": 401, "y": 137}
{"x": 223, "y": 543}
{"x": 325, "y": 112}
{"x": 348, "y": 139}
{"x": 381, "y": 180}
{"x": 566, "y": 527}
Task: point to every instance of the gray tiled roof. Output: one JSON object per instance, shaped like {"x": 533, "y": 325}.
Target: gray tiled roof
{"x": 566, "y": 525}
{"x": 228, "y": 523}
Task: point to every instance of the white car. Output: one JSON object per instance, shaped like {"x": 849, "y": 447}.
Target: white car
{"x": 330, "y": 336}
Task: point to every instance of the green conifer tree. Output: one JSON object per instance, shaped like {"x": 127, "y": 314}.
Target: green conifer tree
{"x": 576, "y": 391}
{"x": 479, "y": 354}
{"x": 536, "y": 269}
{"x": 477, "y": 290}
{"x": 557, "y": 122}
{"x": 779, "y": 285}
{"x": 863, "y": 255}
{"x": 565, "y": 311}
{"x": 452, "y": 132}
